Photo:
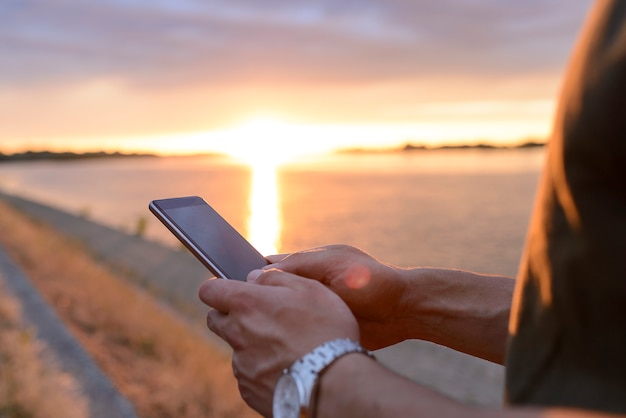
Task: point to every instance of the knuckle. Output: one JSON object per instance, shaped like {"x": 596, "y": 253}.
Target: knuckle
{"x": 269, "y": 276}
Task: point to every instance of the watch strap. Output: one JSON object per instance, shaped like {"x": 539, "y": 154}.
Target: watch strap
{"x": 311, "y": 365}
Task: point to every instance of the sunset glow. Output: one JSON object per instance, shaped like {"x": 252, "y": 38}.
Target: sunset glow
{"x": 276, "y": 141}
{"x": 178, "y": 77}
{"x": 263, "y": 142}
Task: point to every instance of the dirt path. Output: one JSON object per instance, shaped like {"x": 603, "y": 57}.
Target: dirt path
{"x": 103, "y": 399}
{"x": 164, "y": 366}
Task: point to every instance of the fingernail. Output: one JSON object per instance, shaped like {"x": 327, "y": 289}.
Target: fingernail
{"x": 254, "y": 275}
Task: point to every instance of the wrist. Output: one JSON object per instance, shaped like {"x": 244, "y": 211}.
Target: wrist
{"x": 417, "y": 309}
{"x": 332, "y": 396}
{"x": 293, "y": 394}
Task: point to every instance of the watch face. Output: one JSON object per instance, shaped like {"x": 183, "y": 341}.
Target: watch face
{"x": 286, "y": 398}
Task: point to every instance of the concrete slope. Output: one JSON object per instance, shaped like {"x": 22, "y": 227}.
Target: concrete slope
{"x": 173, "y": 275}
{"x": 103, "y": 399}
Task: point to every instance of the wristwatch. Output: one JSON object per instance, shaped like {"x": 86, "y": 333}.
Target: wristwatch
{"x": 292, "y": 394}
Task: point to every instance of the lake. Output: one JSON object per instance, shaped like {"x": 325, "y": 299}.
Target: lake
{"x": 465, "y": 209}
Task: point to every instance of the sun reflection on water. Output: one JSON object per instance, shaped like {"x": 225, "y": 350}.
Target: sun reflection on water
{"x": 264, "y": 144}
{"x": 264, "y": 221}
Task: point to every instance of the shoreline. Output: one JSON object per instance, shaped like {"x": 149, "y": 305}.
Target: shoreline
{"x": 173, "y": 276}
{"x": 149, "y": 264}
{"x": 47, "y": 155}
{"x": 155, "y": 355}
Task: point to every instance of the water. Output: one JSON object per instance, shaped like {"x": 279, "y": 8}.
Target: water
{"x": 465, "y": 209}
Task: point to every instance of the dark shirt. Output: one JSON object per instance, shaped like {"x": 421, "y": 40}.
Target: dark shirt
{"x": 568, "y": 322}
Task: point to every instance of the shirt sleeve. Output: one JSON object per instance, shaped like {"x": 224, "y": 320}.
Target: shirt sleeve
{"x": 568, "y": 320}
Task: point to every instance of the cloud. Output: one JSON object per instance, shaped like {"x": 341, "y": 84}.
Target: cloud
{"x": 122, "y": 68}
{"x": 168, "y": 43}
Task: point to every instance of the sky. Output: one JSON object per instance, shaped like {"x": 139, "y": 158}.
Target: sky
{"x": 205, "y": 75}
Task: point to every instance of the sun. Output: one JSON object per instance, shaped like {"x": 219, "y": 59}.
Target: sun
{"x": 261, "y": 141}
{"x": 272, "y": 141}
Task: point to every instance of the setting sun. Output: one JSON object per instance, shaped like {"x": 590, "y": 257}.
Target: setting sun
{"x": 263, "y": 141}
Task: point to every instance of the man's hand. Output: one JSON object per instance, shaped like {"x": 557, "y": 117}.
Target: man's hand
{"x": 465, "y": 311}
{"x": 375, "y": 292}
{"x": 270, "y": 322}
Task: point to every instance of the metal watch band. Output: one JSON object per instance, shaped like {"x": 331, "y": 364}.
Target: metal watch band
{"x": 311, "y": 365}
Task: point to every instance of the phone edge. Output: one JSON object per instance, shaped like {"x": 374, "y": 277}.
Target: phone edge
{"x": 189, "y": 244}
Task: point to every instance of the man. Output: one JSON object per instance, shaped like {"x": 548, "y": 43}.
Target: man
{"x": 560, "y": 328}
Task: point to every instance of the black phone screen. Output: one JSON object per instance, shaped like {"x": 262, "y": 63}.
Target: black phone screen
{"x": 207, "y": 232}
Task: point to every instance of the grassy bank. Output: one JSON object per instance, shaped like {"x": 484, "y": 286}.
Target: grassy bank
{"x": 31, "y": 384}
{"x": 157, "y": 361}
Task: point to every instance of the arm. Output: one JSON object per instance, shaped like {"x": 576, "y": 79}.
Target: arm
{"x": 381, "y": 393}
{"x": 280, "y": 317}
{"x": 464, "y": 311}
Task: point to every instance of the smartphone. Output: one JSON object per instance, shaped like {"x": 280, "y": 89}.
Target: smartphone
{"x": 208, "y": 236}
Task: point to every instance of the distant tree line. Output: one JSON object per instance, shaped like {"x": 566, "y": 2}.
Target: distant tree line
{"x": 529, "y": 144}
{"x": 51, "y": 155}
{"x": 422, "y": 147}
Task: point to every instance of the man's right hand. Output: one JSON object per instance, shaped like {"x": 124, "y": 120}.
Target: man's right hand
{"x": 375, "y": 292}
{"x": 465, "y": 311}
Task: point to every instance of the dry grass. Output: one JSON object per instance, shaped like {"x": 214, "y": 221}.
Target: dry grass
{"x": 31, "y": 385}
{"x": 162, "y": 366}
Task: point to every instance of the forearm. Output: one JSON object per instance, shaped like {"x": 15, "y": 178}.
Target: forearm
{"x": 465, "y": 311}
{"x": 357, "y": 386}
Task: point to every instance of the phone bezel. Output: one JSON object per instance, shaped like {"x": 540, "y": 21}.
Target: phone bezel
{"x": 159, "y": 208}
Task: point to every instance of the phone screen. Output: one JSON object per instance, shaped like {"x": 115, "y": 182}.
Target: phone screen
{"x": 213, "y": 240}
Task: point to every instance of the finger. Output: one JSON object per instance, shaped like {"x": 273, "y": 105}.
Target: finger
{"x": 275, "y": 258}
{"x": 276, "y": 277}
{"x": 311, "y": 263}
{"x": 254, "y": 275}
{"x": 215, "y": 321}
{"x": 218, "y": 293}
{"x": 225, "y": 328}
